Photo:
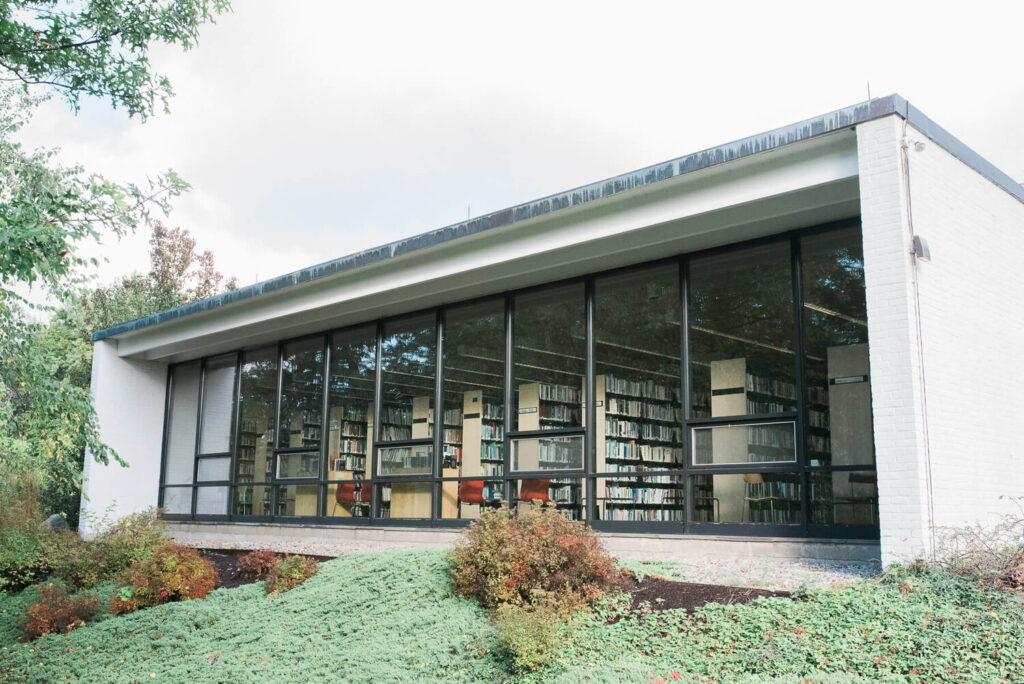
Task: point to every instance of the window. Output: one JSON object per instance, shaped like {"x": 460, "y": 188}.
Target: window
{"x": 474, "y": 389}
{"x": 741, "y": 356}
{"x": 719, "y": 412}
{"x": 254, "y": 460}
{"x": 549, "y": 357}
{"x": 637, "y": 347}
{"x": 183, "y": 408}
{"x": 408, "y": 364}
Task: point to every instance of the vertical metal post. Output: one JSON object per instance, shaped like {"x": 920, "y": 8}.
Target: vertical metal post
{"x": 800, "y": 377}
{"x": 506, "y": 446}
{"x": 378, "y": 392}
{"x": 199, "y": 435}
{"x": 321, "y": 490}
{"x": 237, "y": 438}
{"x": 685, "y": 380}
{"x": 438, "y": 414}
{"x": 590, "y": 399}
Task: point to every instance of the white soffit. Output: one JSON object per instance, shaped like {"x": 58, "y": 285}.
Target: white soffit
{"x": 801, "y": 184}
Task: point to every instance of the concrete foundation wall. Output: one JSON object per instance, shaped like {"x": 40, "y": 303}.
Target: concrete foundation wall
{"x": 331, "y": 540}
{"x": 128, "y": 395}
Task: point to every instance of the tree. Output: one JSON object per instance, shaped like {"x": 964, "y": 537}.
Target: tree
{"x": 35, "y": 434}
{"x": 70, "y": 49}
{"x": 99, "y": 47}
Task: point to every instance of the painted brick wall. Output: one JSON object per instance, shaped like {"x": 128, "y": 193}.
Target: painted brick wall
{"x": 972, "y": 328}
{"x": 972, "y": 314}
{"x": 129, "y": 398}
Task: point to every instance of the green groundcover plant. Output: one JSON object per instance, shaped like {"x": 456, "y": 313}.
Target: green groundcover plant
{"x": 392, "y": 617}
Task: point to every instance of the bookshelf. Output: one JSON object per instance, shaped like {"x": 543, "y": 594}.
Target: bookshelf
{"x": 349, "y": 454}
{"x": 253, "y": 464}
{"x": 638, "y": 433}
{"x": 482, "y": 451}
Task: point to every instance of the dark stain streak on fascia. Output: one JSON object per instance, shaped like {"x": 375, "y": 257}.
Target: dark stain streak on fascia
{"x": 837, "y": 120}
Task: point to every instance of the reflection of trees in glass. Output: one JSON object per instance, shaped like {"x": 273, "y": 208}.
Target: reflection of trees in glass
{"x": 302, "y": 376}
{"x": 549, "y": 333}
{"x": 353, "y": 364}
{"x": 408, "y": 352}
{"x": 835, "y": 309}
{"x": 474, "y": 350}
{"x": 636, "y": 324}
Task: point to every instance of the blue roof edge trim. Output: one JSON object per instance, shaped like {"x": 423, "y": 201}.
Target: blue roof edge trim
{"x": 809, "y": 128}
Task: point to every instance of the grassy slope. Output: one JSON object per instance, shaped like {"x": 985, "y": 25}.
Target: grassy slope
{"x": 389, "y": 617}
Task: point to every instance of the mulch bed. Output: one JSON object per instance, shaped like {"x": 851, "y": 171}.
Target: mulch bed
{"x": 689, "y": 595}
{"x": 226, "y": 562}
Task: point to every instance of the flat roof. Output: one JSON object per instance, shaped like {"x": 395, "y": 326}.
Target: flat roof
{"x": 738, "y": 149}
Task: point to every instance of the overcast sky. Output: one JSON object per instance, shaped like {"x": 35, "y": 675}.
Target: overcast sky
{"x": 310, "y": 130}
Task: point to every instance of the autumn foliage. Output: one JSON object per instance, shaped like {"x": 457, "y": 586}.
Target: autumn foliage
{"x": 170, "y": 573}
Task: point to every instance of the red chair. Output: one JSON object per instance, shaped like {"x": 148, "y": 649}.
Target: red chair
{"x": 535, "y": 490}
{"x": 472, "y": 492}
{"x": 349, "y": 493}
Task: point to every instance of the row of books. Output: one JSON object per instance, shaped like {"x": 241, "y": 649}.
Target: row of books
{"x": 451, "y": 457}
{"x": 770, "y": 437}
{"x": 628, "y": 428}
{"x": 645, "y": 479}
{"x": 636, "y": 408}
{"x": 405, "y": 458}
{"x": 657, "y": 453}
{"x": 773, "y": 386}
{"x": 396, "y": 416}
{"x": 492, "y": 430}
{"x": 453, "y": 417}
{"x": 352, "y": 462}
{"x": 349, "y": 429}
{"x": 773, "y": 489}
{"x": 643, "y": 495}
{"x": 643, "y": 389}
{"x": 453, "y": 436}
{"x": 356, "y": 413}
{"x": 643, "y": 514}
{"x": 755, "y": 407}
{"x": 352, "y": 446}
{"x": 818, "y": 419}
{"x": 492, "y": 469}
{"x": 491, "y": 451}
{"x": 819, "y": 444}
{"x": 492, "y": 412}
{"x": 562, "y": 393}
{"x": 560, "y": 413}
{"x": 396, "y": 432}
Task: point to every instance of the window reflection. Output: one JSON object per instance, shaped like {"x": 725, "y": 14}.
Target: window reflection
{"x": 408, "y": 365}
{"x": 302, "y": 393}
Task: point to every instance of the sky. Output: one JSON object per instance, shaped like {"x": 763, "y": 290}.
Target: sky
{"x": 311, "y": 130}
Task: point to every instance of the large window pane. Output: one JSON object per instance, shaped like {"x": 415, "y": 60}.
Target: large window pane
{"x": 214, "y": 469}
{"x": 254, "y": 460}
{"x": 741, "y": 332}
{"x": 759, "y": 443}
{"x": 637, "y": 346}
{"x": 218, "y": 404}
{"x": 408, "y": 368}
{"x": 302, "y": 387}
{"x": 212, "y": 501}
{"x": 747, "y": 498}
{"x": 296, "y": 465}
{"x": 409, "y": 500}
{"x": 839, "y": 420}
{"x": 549, "y": 352}
{"x": 474, "y": 395}
{"x": 406, "y": 460}
{"x": 548, "y": 453}
{"x": 178, "y": 500}
{"x": 251, "y": 501}
{"x": 467, "y": 499}
{"x": 295, "y": 500}
{"x": 181, "y": 424}
{"x": 350, "y": 402}
{"x": 639, "y": 497}
{"x": 844, "y": 498}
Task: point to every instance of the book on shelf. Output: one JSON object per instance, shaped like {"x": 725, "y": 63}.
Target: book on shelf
{"x": 644, "y": 389}
{"x": 559, "y": 393}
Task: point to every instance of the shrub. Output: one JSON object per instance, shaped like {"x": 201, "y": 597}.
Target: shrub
{"x": 130, "y": 540}
{"x": 993, "y": 556}
{"x": 538, "y": 557}
{"x": 26, "y": 547}
{"x": 57, "y": 613}
{"x": 255, "y": 565}
{"x": 527, "y": 636}
{"x": 170, "y": 573}
{"x": 289, "y": 572}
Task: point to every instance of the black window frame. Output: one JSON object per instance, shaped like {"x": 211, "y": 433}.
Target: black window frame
{"x": 588, "y": 475}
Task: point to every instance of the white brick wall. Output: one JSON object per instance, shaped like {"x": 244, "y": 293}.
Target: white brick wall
{"x": 129, "y": 398}
{"x": 972, "y": 323}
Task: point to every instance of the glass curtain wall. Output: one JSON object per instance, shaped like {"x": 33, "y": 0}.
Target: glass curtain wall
{"x": 730, "y": 394}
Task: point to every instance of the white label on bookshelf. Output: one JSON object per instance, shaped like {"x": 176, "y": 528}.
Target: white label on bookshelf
{"x": 528, "y": 409}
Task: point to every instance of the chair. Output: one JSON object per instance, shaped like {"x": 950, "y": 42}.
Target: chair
{"x": 348, "y": 494}
{"x": 535, "y": 490}
{"x": 472, "y": 492}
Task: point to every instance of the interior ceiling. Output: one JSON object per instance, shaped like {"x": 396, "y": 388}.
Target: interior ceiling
{"x": 777, "y": 214}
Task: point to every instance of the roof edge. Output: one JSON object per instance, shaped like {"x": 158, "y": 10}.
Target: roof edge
{"x": 839, "y": 119}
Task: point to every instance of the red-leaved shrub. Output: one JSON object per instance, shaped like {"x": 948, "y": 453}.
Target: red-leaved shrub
{"x": 289, "y": 572}
{"x": 255, "y": 565}
{"x": 57, "y": 613}
{"x": 170, "y": 573}
{"x": 538, "y": 558}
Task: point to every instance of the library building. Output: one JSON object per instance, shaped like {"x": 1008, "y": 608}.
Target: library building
{"x": 786, "y": 345}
